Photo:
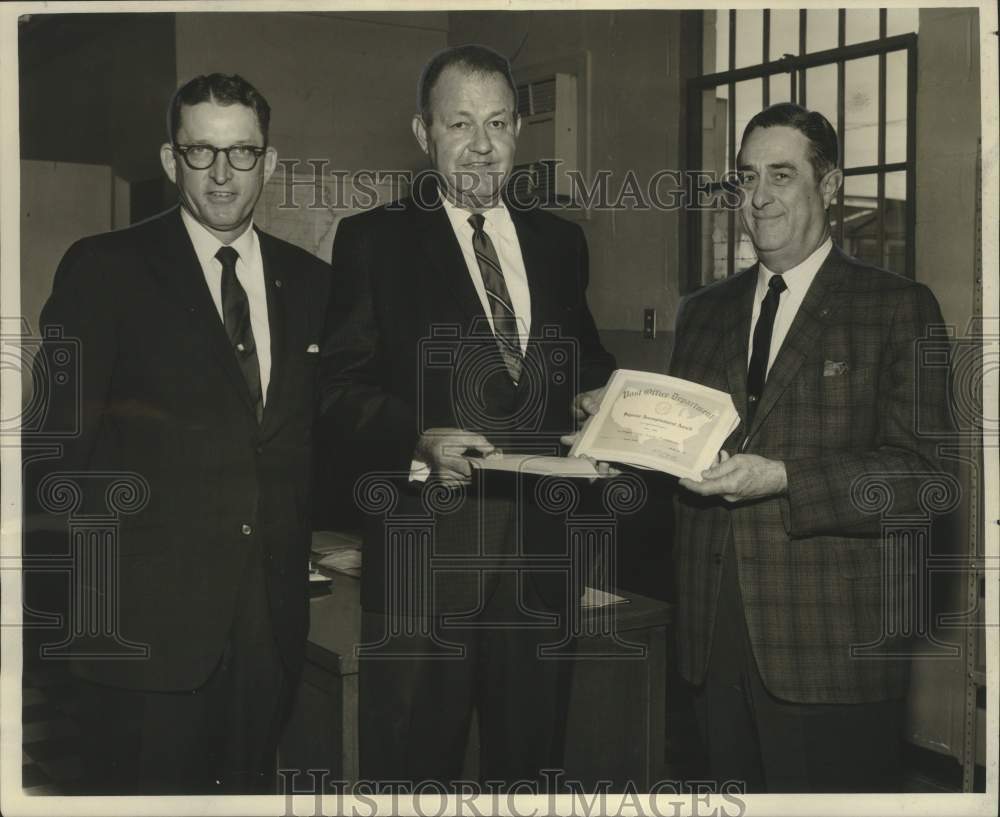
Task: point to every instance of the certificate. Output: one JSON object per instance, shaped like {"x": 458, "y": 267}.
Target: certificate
{"x": 659, "y": 422}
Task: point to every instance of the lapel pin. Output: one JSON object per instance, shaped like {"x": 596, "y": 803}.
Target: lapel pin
{"x": 277, "y": 283}
{"x": 239, "y": 347}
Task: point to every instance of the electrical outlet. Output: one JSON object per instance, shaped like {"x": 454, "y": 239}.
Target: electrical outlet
{"x": 649, "y": 323}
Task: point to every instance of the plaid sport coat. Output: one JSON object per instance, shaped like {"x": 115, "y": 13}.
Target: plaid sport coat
{"x": 841, "y": 407}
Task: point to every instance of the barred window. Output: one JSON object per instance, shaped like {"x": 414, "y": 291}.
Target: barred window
{"x": 858, "y": 68}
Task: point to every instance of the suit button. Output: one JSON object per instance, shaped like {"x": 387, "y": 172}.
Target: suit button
{"x": 246, "y": 530}
{"x": 260, "y": 449}
{"x": 717, "y": 558}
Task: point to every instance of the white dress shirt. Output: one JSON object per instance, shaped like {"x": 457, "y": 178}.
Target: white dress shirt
{"x": 797, "y": 279}
{"x": 499, "y": 227}
{"x": 250, "y": 274}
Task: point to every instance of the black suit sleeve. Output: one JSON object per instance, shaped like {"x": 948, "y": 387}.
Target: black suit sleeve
{"x": 596, "y": 363}
{"x": 79, "y": 320}
{"x": 376, "y": 429}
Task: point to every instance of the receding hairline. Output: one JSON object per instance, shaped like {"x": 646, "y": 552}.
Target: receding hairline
{"x": 468, "y": 70}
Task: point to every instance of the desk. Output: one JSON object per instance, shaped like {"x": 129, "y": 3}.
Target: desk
{"x": 616, "y": 728}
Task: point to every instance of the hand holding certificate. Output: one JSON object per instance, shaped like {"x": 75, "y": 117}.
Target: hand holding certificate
{"x": 658, "y": 422}
{"x": 644, "y": 419}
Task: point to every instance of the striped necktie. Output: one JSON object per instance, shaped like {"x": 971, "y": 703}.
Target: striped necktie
{"x": 504, "y": 319}
{"x": 236, "y": 317}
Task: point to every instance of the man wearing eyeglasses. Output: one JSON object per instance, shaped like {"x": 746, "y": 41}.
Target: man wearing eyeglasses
{"x": 198, "y": 338}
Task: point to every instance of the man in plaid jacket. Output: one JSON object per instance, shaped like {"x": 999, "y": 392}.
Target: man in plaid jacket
{"x": 785, "y": 584}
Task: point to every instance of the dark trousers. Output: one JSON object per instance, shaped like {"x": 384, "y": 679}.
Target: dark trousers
{"x": 773, "y": 745}
{"x": 416, "y": 709}
{"x": 219, "y": 738}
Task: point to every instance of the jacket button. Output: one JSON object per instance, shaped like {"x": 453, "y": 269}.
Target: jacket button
{"x": 246, "y": 530}
{"x": 717, "y": 558}
{"x": 260, "y": 449}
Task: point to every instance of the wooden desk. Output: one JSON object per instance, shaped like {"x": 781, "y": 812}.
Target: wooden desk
{"x": 617, "y": 713}
{"x": 322, "y": 732}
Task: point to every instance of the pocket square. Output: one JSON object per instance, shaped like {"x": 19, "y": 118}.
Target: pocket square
{"x": 832, "y": 368}
{"x": 312, "y": 349}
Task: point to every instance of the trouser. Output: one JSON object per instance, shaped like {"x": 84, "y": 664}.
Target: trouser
{"x": 219, "y": 738}
{"x": 416, "y": 709}
{"x": 773, "y": 745}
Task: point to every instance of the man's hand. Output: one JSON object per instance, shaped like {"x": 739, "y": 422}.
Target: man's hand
{"x": 587, "y": 403}
{"x": 741, "y": 477}
{"x": 442, "y": 449}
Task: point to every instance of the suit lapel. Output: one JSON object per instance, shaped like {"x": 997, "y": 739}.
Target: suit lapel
{"x": 736, "y": 336}
{"x": 448, "y": 276}
{"x": 802, "y": 338}
{"x": 534, "y": 254}
{"x": 175, "y": 266}
{"x": 276, "y": 321}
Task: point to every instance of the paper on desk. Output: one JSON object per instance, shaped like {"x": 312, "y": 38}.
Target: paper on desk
{"x": 537, "y": 464}
{"x": 592, "y": 597}
{"x": 337, "y": 551}
{"x": 327, "y": 541}
{"x": 343, "y": 561}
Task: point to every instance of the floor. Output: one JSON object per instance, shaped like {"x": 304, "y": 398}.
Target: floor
{"x": 50, "y": 751}
{"x": 51, "y": 759}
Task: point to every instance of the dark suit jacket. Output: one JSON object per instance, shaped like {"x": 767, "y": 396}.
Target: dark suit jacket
{"x": 416, "y": 352}
{"x": 840, "y": 406}
{"x": 161, "y": 396}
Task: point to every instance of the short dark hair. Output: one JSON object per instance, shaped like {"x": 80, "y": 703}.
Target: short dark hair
{"x": 223, "y": 89}
{"x": 474, "y": 59}
{"x": 824, "y": 151}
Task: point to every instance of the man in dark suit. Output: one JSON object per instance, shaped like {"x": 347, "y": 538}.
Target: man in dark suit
{"x": 199, "y": 340}
{"x": 468, "y": 332}
{"x": 786, "y": 621}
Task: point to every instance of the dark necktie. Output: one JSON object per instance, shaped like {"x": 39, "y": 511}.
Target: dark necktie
{"x": 504, "y": 319}
{"x": 757, "y": 373}
{"x": 236, "y": 317}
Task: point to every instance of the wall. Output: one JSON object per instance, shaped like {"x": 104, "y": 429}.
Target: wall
{"x": 947, "y": 101}
{"x": 948, "y": 113}
{"x": 342, "y": 87}
{"x": 636, "y": 93}
{"x": 60, "y": 202}
{"x": 94, "y": 89}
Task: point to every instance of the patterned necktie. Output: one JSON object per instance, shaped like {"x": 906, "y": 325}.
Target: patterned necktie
{"x": 757, "y": 373}
{"x": 236, "y": 317}
{"x": 504, "y": 319}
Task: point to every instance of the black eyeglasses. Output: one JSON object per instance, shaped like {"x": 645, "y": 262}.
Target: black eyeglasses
{"x": 202, "y": 157}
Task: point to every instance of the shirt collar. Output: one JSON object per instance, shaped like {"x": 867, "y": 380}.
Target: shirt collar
{"x": 799, "y": 277}
{"x": 497, "y": 217}
{"x": 206, "y": 245}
